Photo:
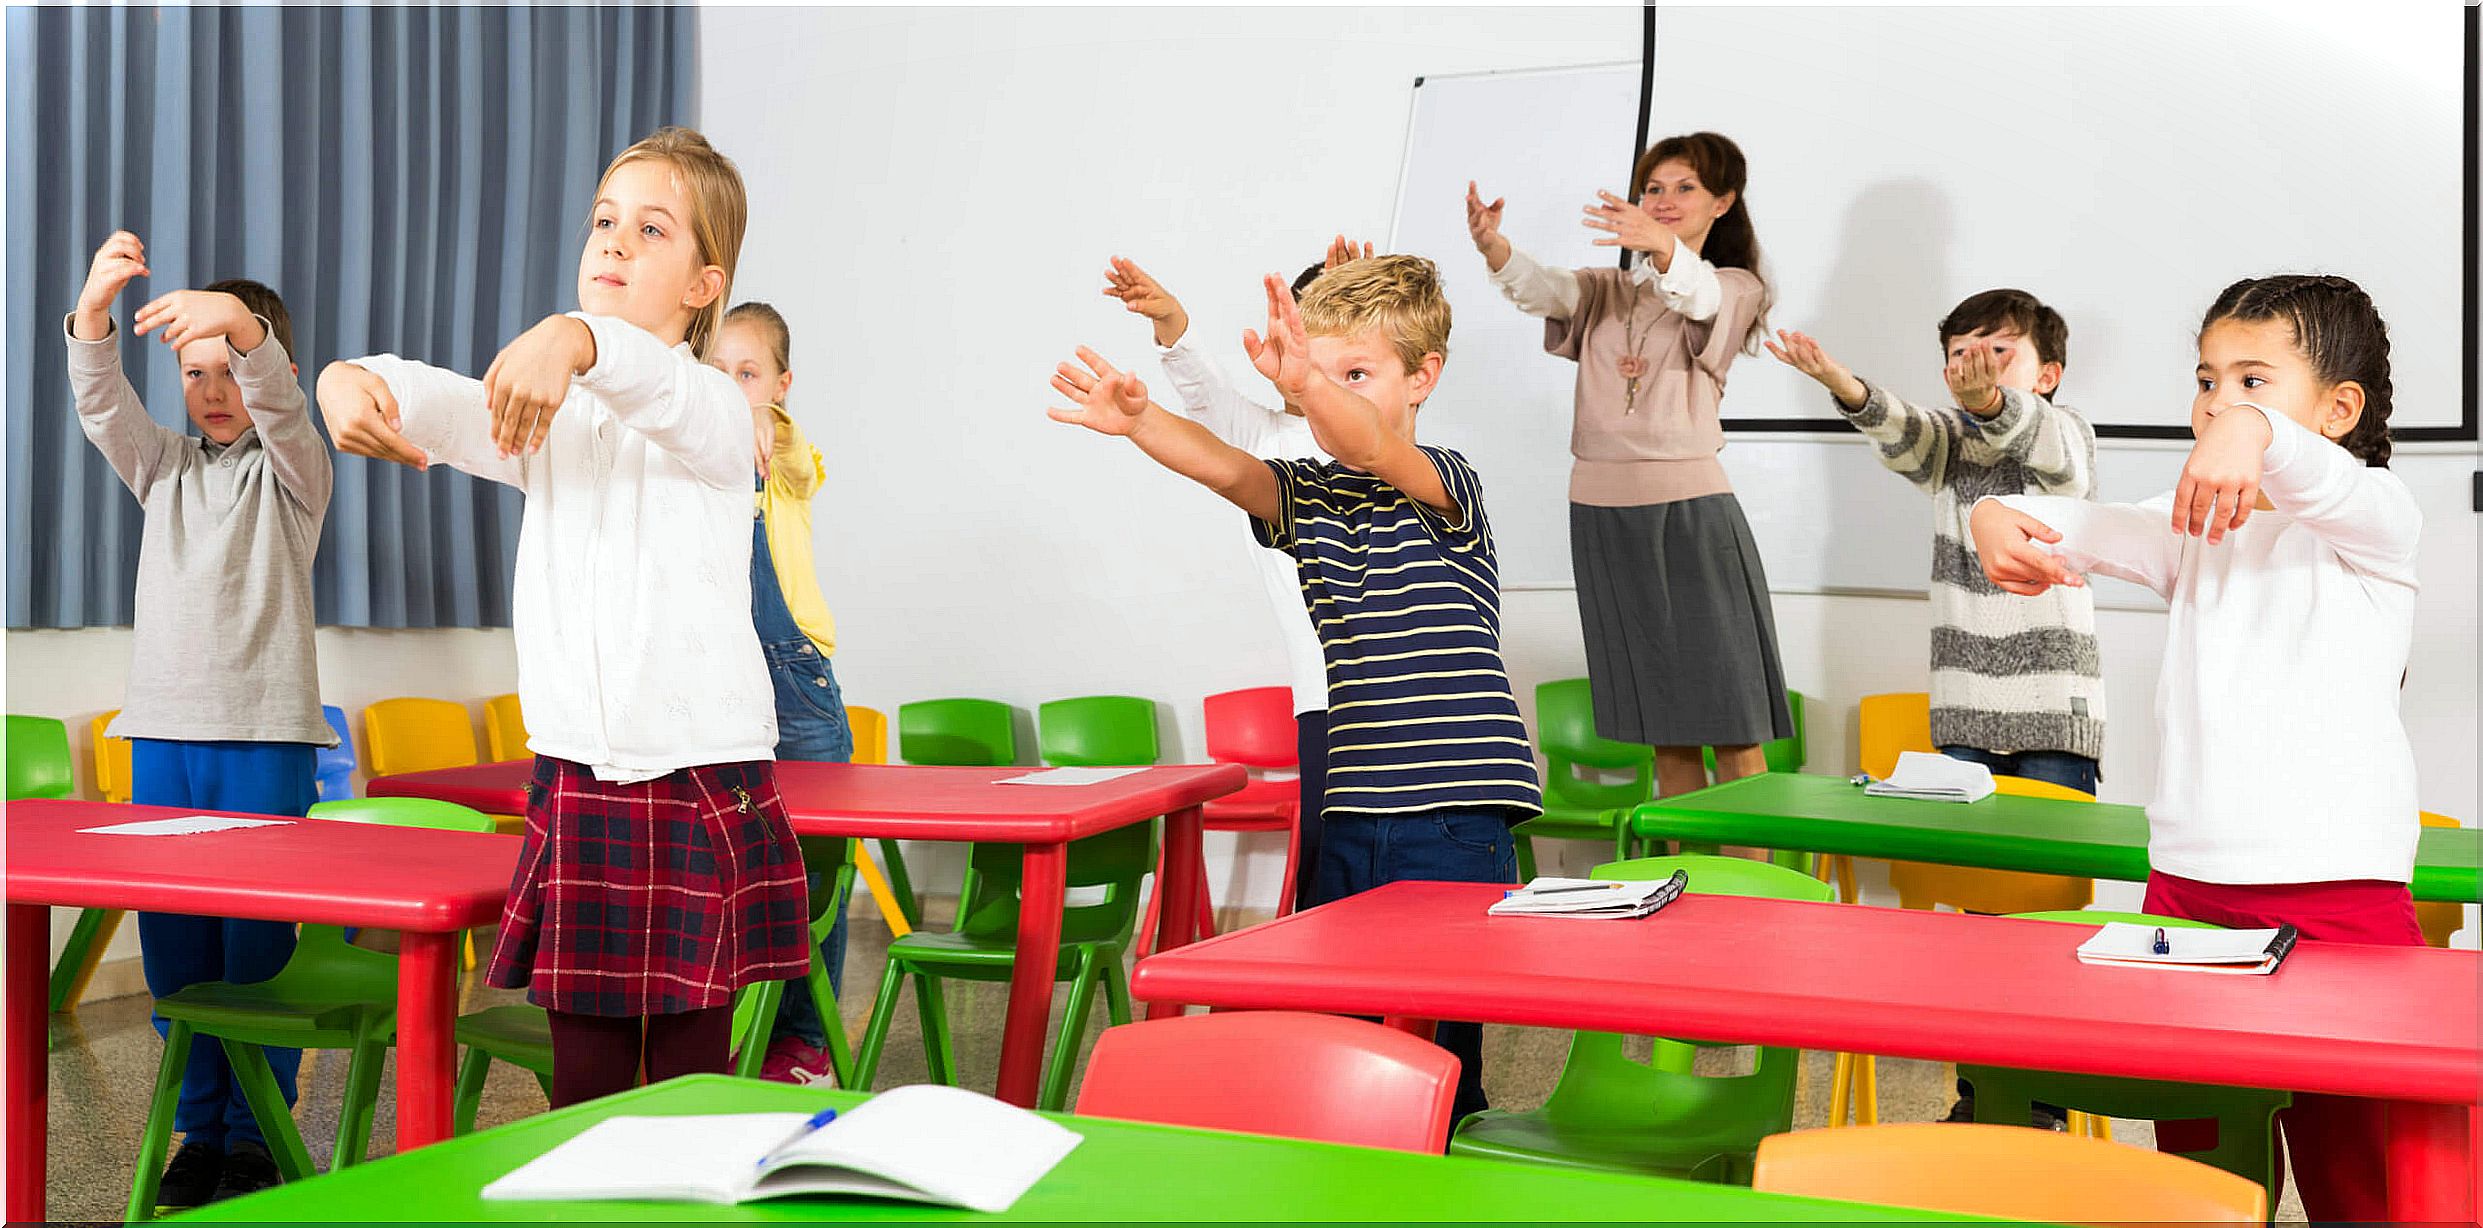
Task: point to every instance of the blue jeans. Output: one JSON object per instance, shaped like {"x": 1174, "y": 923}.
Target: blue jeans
{"x": 811, "y": 725}
{"x": 1360, "y": 851}
{"x": 2053, "y": 766}
{"x": 1310, "y": 740}
{"x": 178, "y": 951}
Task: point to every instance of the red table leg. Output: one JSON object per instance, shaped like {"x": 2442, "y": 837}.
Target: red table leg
{"x": 1177, "y": 891}
{"x": 28, "y": 1024}
{"x": 1046, "y": 880}
{"x": 2431, "y": 1163}
{"x": 426, "y": 1037}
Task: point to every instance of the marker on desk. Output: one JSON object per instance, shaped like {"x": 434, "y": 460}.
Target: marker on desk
{"x": 1564, "y": 890}
{"x": 818, "y": 1119}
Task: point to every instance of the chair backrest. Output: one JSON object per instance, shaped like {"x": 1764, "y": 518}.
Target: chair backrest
{"x": 403, "y": 812}
{"x": 870, "y": 730}
{"x": 2007, "y": 1171}
{"x": 957, "y": 733}
{"x": 2439, "y": 919}
{"x": 2004, "y": 892}
{"x": 112, "y": 758}
{"x": 38, "y": 758}
{"x": 1253, "y": 728}
{"x": 336, "y": 763}
{"x": 1893, "y": 723}
{"x": 1097, "y": 731}
{"x": 1320, "y": 1077}
{"x": 1115, "y": 861}
{"x": 504, "y": 728}
{"x": 418, "y": 735}
{"x": 1723, "y": 876}
{"x": 1565, "y": 728}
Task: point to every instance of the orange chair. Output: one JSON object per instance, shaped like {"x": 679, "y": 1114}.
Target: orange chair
{"x": 504, "y": 728}
{"x": 2005, "y": 1171}
{"x": 112, "y": 770}
{"x": 2439, "y": 919}
{"x": 870, "y": 730}
{"x": 418, "y": 735}
{"x": 1320, "y": 1077}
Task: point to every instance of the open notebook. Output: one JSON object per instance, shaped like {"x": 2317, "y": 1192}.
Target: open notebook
{"x": 1604, "y": 899}
{"x": 924, "y": 1143}
{"x": 2240, "y": 952}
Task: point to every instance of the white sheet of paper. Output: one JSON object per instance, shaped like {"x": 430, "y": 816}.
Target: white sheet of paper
{"x": 186, "y": 825}
{"x": 1073, "y": 776}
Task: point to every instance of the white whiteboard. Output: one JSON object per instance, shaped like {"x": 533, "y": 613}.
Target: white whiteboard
{"x": 2176, "y": 150}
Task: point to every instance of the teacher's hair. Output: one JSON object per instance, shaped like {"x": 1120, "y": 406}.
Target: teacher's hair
{"x": 1732, "y": 243}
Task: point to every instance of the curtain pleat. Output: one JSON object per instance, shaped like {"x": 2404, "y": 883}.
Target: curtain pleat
{"x": 411, "y": 180}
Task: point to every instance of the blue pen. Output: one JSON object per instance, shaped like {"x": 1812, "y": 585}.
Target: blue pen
{"x": 818, "y": 1119}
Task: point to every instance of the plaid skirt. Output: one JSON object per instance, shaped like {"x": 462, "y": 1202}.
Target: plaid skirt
{"x": 652, "y": 898}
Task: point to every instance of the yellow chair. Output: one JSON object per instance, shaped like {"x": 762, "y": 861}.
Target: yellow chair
{"x": 112, "y": 770}
{"x": 2005, "y": 1171}
{"x": 870, "y": 730}
{"x": 504, "y": 728}
{"x": 2439, "y": 919}
{"x": 418, "y": 735}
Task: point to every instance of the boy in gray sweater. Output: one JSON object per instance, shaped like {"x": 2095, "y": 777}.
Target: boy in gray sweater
{"x": 222, "y": 710}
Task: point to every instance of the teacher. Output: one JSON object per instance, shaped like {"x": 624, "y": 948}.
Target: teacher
{"x": 1680, "y": 636}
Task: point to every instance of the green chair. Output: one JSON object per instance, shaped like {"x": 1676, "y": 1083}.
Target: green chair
{"x": 39, "y": 767}
{"x": 521, "y": 1035}
{"x": 1611, "y": 1113}
{"x": 1575, "y": 805}
{"x": 2244, "y": 1116}
{"x": 983, "y": 947}
{"x": 946, "y": 733}
{"x": 1783, "y": 755}
{"x": 329, "y": 995}
{"x": 1098, "y": 731}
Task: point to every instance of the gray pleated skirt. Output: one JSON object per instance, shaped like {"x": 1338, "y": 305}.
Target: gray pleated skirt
{"x": 1680, "y": 634}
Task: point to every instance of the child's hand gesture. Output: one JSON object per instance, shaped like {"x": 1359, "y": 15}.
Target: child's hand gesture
{"x": 1110, "y": 401}
{"x": 1483, "y": 226}
{"x": 530, "y": 379}
{"x": 195, "y": 315}
{"x": 1974, "y": 379}
{"x": 2004, "y": 538}
{"x": 1143, "y": 295}
{"x": 1805, "y": 355}
{"x": 1284, "y": 357}
{"x": 1341, "y": 251}
{"x": 119, "y": 259}
{"x": 1628, "y": 225}
{"x": 362, "y": 415}
{"x": 763, "y": 436}
{"x": 2220, "y": 482}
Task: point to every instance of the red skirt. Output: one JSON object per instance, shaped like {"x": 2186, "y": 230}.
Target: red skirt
{"x": 652, "y": 898}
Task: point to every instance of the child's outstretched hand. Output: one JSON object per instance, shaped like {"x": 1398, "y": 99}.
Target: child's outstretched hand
{"x": 2220, "y": 482}
{"x": 1284, "y": 357}
{"x": 1145, "y": 296}
{"x": 119, "y": 259}
{"x": 2004, "y": 538}
{"x": 530, "y": 379}
{"x": 1341, "y": 251}
{"x": 362, "y": 415}
{"x": 1483, "y": 226}
{"x": 195, "y": 315}
{"x": 1805, "y": 355}
{"x": 1110, "y": 401}
{"x": 1974, "y": 378}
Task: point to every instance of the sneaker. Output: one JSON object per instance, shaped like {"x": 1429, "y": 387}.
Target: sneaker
{"x": 2047, "y": 1117}
{"x": 790, "y": 1059}
{"x": 247, "y": 1170}
{"x": 1963, "y": 1110}
{"x": 190, "y": 1180}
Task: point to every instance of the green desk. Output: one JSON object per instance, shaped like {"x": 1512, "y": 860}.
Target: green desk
{"x": 1124, "y": 1171}
{"x": 1826, "y": 814}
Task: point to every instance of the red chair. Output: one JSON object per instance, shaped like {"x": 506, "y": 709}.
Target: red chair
{"x": 1253, "y": 728}
{"x": 1320, "y": 1077}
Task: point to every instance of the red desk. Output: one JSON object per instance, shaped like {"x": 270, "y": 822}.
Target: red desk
{"x": 427, "y": 884}
{"x": 968, "y": 804}
{"x": 2393, "y": 1023}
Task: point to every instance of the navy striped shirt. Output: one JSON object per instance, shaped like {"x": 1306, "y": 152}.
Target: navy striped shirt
{"x": 1406, "y": 601}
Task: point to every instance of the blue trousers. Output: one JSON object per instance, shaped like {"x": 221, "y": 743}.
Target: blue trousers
{"x": 1360, "y": 851}
{"x": 1310, "y": 740}
{"x": 2053, "y": 766}
{"x": 279, "y": 778}
{"x": 810, "y": 724}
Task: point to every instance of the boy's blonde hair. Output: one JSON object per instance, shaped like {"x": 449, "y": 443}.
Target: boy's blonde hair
{"x": 1399, "y": 295}
{"x": 719, "y": 206}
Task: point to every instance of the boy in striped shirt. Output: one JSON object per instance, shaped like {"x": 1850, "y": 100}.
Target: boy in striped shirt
{"x": 1428, "y": 761}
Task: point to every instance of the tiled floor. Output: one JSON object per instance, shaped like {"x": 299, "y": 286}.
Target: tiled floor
{"x": 104, "y": 1058}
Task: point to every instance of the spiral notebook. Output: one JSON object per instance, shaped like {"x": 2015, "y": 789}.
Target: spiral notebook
{"x": 2233, "y": 952}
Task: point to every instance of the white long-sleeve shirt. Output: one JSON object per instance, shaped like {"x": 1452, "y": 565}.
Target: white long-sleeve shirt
{"x": 1689, "y": 287}
{"x": 1211, "y": 400}
{"x": 636, "y": 655}
{"x": 2284, "y": 759}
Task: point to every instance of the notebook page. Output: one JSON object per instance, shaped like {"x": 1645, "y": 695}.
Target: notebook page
{"x": 955, "y": 1146}
{"x": 688, "y": 1159}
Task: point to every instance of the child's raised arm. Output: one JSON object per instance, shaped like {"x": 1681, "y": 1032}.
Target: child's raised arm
{"x": 396, "y": 409}
{"x": 2054, "y": 443}
{"x": 1113, "y": 402}
{"x": 1346, "y": 426}
{"x": 109, "y": 412}
{"x": 2365, "y": 514}
{"x": 2123, "y": 540}
{"x": 271, "y": 389}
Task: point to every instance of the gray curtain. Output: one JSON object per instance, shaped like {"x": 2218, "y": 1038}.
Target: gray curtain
{"x": 412, "y": 181}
